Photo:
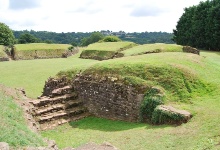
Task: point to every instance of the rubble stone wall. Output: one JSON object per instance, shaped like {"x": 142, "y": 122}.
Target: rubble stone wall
{"x": 109, "y": 99}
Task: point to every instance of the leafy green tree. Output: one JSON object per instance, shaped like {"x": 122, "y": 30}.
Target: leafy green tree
{"x": 28, "y": 38}
{"x": 94, "y": 37}
{"x": 6, "y": 35}
{"x": 199, "y": 26}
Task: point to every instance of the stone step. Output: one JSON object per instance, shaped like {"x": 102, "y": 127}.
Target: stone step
{"x": 57, "y": 107}
{"x": 60, "y": 114}
{"x": 43, "y": 101}
{"x": 53, "y": 123}
{"x": 64, "y": 90}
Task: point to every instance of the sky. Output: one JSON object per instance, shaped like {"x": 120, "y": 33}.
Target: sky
{"x": 93, "y": 15}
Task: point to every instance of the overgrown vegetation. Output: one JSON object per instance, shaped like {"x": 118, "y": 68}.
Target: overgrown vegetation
{"x": 2, "y": 53}
{"x": 159, "y": 116}
{"x": 153, "y": 98}
{"x": 13, "y": 127}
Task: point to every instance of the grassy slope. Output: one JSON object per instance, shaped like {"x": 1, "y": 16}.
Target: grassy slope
{"x": 105, "y": 50}
{"x": 108, "y": 46}
{"x": 41, "y": 46}
{"x": 32, "y": 74}
{"x": 137, "y": 50}
{"x": 175, "y": 72}
{"x": 13, "y": 128}
{"x": 202, "y": 132}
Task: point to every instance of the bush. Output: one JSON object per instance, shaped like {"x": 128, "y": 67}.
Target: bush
{"x": 152, "y": 99}
{"x": 111, "y": 39}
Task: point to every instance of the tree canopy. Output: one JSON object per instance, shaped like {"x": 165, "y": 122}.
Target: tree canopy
{"x": 28, "y": 38}
{"x": 94, "y": 37}
{"x": 6, "y": 35}
{"x": 199, "y": 26}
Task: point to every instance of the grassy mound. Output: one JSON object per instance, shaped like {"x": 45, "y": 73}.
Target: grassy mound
{"x": 13, "y": 127}
{"x": 171, "y": 71}
{"x": 39, "y": 51}
{"x": 105, "y": 50}
{"x": 152, "y": 48}
{"x": 3, "y": 55}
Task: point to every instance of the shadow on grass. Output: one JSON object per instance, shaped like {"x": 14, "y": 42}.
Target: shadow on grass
{"x": 101, "y": 124}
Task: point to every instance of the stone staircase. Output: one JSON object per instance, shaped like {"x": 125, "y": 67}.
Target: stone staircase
{"x": 61, "y": 106}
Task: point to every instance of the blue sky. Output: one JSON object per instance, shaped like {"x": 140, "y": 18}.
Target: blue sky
{"x": 93, "y": 15}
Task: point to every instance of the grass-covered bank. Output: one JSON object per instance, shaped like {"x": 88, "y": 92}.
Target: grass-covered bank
{"x": 39, "y": 50}
{"x": 152, "y": 48}
{"x": 13, "y": 127}
{"x": 106, "y": 50}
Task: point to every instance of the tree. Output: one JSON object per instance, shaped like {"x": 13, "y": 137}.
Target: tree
{"x": 94, "y": 37}
{"x": 28, "y": 38}
{"x": 199, "y": 26}
{"x": 6, "y": 35}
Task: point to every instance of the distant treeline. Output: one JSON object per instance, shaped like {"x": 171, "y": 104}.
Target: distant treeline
{"x": 76, "y": 38}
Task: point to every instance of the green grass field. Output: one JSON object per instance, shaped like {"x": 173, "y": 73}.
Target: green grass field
{"x": 201, "y": 75}
{"x": 41, "y": 46}
{"x": 39, "y": 51}
{"x": 32, "y": 74}
{"x": 149, "y": 48}
{"x": 109, "y": 46}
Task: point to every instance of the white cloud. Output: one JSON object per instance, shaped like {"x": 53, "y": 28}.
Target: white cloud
{"x": 93, "y": 15}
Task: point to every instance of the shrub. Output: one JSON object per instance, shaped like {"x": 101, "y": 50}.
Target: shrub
{"x": 111, "y": 39}
{"x": 152, "y": 99}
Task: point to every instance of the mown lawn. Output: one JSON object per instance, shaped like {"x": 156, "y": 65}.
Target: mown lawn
{"x": 32, "y": 74}
{"x": 41, "y": 46}
{"x": 147, "y": 48}
{"x": 109, "y": 46}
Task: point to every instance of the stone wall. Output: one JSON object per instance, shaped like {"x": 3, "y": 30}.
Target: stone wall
{"x": 189, "y": 49}
{"x": 53, "y": 83}
{"x": 109, "y": 98}
{"x": 106, "y": 97}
